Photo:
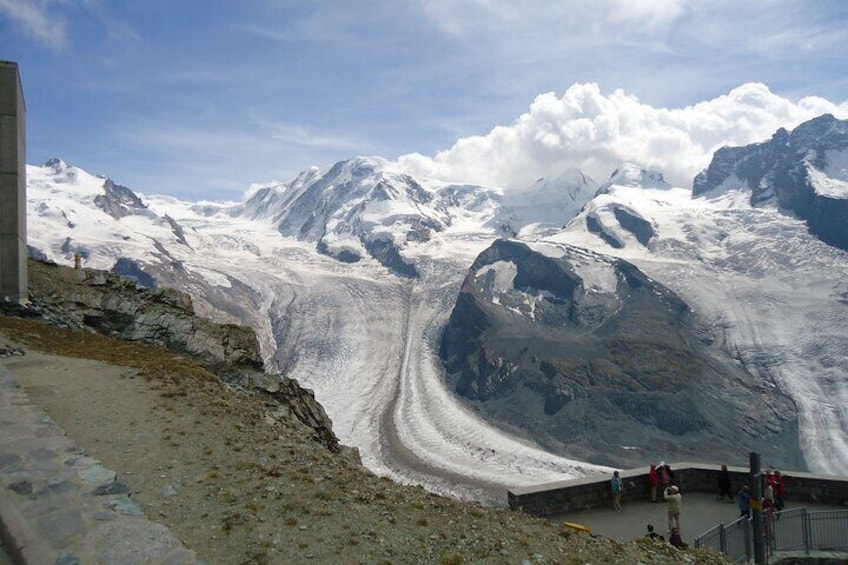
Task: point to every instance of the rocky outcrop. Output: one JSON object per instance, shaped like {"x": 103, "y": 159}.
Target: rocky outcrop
{"x": 792, "y": 171}
{"x": 8, "y": 349}
{"x": 385, "y": 252}
{"x": 595, "y": 226}
{"x": 630, "y": 220}
{"x": 114, "y": 305}
{"x": 118, "y": 201}
{"x": 594, "y": 360}
{"x": 91, "y": 300}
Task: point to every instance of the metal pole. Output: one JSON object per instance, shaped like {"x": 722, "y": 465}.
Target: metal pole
{"x": 756, "y": 509}
{"x": 808, "y": 536}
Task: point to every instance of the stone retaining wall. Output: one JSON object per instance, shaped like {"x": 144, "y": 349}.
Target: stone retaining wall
{"x": 588, "y": 493}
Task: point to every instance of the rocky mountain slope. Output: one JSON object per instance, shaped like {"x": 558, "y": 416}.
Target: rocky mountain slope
{"x": 594, "y": 360}
{"x": 603, "y": 374}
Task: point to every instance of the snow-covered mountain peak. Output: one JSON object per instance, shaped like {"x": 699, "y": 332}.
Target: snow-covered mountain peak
{"x": 73, "y": 211}
{"x": 56, "y": 164}
{"x": 116, "y": 200}
{"x": 823, "y": 131}
{"x": 762, "y": 167}
{"x": 57, "y": 171}
{"x": 632, "y": 175}
{"x": 333, "y": 186}
{"x": 569, "y": 177}
{"x": 804, "y": 171}
{"x": 613, "y": 214}
{"x": 365, "y": 207}
{"x": 550, "y": 202}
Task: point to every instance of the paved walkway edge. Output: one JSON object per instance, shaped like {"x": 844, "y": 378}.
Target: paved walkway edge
{"x": 59, "y": 506}
{"x": 20, "y": 541}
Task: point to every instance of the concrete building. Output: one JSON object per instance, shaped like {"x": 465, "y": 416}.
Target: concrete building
{"x": 13, "y": 232}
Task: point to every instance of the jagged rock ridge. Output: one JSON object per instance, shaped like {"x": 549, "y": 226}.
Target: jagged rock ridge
{"x": 803, "y": 171}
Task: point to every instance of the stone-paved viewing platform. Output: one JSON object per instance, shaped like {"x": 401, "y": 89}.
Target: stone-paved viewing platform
{"x": 60, "y": 506}
{"x": 587, "y": 503}
{"x": 700, "y": 512}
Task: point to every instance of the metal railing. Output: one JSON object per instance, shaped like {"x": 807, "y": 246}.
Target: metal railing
{"x": 791, "y": 530}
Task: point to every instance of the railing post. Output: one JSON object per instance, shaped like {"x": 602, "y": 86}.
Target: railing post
{"x": 756, "y": 481}
{"x": 808, "y": 534}
{"x": 722, "y": 538}
{"x": 746, "y": 535}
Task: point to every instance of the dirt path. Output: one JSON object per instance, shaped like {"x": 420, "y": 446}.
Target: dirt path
{"x": 88, "y": 397}
{"x": 160, "y": 450}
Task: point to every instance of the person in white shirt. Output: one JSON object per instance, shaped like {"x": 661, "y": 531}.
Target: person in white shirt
{"x": 674, "y": 501}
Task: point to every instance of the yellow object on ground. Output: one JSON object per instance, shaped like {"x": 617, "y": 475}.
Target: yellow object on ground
{"x": 578, "y": 527}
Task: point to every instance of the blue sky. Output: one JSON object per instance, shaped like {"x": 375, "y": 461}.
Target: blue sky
{"x": 202, "y": 98}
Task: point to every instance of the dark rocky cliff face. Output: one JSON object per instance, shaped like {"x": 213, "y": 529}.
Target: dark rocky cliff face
{"x": 620, "y": 375}
{"x": 118, "y": 201}
{"x": 777, "y": 171}
{"x": 91, "y": 300}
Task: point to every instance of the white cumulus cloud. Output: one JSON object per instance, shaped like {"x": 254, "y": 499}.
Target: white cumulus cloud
{"x": 594, "y": 132}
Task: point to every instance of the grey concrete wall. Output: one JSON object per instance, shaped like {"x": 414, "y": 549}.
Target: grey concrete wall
{"x": 584, "y": 494}
{"x": 13, "y": 227}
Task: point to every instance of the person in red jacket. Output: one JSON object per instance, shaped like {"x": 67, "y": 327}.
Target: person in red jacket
{"x": 654, "y": 480}
{"x": 779, "y": 488}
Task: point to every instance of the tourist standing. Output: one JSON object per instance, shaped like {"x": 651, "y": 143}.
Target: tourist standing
{"x": 769, "y": 503}
{"x": 743, "y": 499}
{"x": 724, "y": 484}
{"x": 665, "y": 480}
{"x": 665, "y": 473}
{"x": 654, "y": 481}
{"x": 779, "y": 489}
{"x": 616, "y": 486}
{"x": 674, "y": 502}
